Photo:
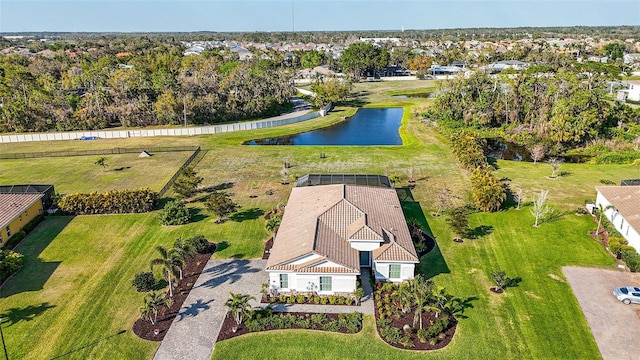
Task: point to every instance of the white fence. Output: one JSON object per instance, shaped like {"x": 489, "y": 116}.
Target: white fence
{"x": 191, "y": 131}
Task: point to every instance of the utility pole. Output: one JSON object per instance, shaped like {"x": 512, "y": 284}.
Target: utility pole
{"x": 184, "y": 109}
{"x": 6, "y": 355}
{"x": 293, "y": 21}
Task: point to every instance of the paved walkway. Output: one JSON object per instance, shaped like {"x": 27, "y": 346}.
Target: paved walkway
{"x": 195, "y": 330}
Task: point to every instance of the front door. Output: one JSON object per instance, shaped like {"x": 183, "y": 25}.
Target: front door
{"x": 365, "y": 258}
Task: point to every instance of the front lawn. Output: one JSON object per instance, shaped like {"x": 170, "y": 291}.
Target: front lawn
{"x": 74, "y": 295}
{"x": 529, "y": 321}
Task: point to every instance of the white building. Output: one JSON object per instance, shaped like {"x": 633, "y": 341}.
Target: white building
{"x": 624, "y": 213}
{"x": 329, "y": 232}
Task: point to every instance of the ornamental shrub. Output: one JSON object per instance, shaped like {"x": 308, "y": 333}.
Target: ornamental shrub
{"x": 10, "y": 263}
{"x": 199, "y": 243}
{"x": 144, "y": 281}
{"x": 110, "y": 202}
{"x": 174, "y": 213}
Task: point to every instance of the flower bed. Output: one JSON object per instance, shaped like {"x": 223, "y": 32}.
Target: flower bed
{"x": 265, "y": 320}
{"x": 144, "y": 329}
{"x": 396, "y": 327}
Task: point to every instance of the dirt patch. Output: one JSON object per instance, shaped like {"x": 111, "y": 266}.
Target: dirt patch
{"x": 556, "y": 277}
{"x": 533, "y": 295}
{"x": 156, "y": 332}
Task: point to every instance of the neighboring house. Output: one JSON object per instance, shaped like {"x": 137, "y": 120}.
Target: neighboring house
{"x": 624, "y": 213}
{"x": 508, "y": 64}
{"x": 16, "y": 210}
{"x": 330, "y": 232}
{"x": 243, "y": 54}
{"x": 631, "y": 93}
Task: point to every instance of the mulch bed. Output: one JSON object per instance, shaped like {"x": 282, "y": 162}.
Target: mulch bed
{"x": 496, "y": 290}
{"x": 309, "y": 301}
{"x": 267, "y": 248}
{"x": 427, "y": 318}
{"x": 458, "y": 240}
{"x": 227, "y": 326}
{"x": 144, "y": 329}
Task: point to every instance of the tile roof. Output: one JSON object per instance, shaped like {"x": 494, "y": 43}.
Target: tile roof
{"x": 320, "y": 220}
{"x": 626, "y": 199}
{"x": 12, "y": 205}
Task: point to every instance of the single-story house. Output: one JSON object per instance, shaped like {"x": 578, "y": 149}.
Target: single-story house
{"x": 330, "y": 232}
{"x": 16, "y": 210}
{"x": 624, "y": 212}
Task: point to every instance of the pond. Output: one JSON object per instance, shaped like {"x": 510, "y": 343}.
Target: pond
{"x": 426, "y": 95}
{"x": 366, "y": 127}
{"x": 502, "y": 149}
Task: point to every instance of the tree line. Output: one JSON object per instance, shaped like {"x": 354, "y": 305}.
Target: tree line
{"x": 157, "y": 86}
{"x": 566, "y": 108}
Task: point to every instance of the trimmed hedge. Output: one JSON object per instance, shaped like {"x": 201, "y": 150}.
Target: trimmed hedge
{"x": 10, "y": 263}
{"x": 110, "y": 202}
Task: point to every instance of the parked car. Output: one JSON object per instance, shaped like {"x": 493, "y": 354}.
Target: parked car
{"x": 627, "y": 294}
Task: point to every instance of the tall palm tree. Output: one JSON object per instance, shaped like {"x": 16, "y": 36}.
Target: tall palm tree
{"x": 238, "y": 304}
{"x": 152, "y": 303}
{"x": 602, "y": 210}
{"x": 167, "y": 261}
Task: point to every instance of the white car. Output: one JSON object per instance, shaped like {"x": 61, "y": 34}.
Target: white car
{"x": 628, "y": 294}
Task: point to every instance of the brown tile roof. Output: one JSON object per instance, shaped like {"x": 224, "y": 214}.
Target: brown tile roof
{"x": 12, "y": 205}
{"x": 626, "y": 199}
{"x": 321, "y": 219}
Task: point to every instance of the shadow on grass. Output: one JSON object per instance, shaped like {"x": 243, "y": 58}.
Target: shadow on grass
{"x": 160, "y": 285}
{"x": 219, "y": 187}
{"x": 249, "y": 214}
{"x": 479, "y": 231}
{"x": 196, "y": 215}
{"x": 89, "y": 344}
{"x": 221, "y": 246}
{"x": 433, "y": 263}
{"x": 35, "y": 272}
{"x": 15, "y": 315}
{"x": 462, "y": 304}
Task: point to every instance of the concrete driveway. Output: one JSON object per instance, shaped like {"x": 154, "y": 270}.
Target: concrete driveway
{"x": 614, "y": 326}
{"x": 194, "y": 331}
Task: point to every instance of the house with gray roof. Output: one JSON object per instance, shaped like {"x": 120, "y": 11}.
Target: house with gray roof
{"x": 329, "y": 233}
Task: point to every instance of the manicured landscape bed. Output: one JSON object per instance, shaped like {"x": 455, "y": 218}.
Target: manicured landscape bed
{"x": 340, "y": 323}
{"x": 144, "y": 329}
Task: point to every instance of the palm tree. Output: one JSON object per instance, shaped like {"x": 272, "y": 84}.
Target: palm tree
{"x": 238, "y": 304}
{"x": 404, "y": 297}
{"x": 168, "y": 262}
{"x": 152, "y": 303}
{"x": 182, "y": 251}
{"x": 602, "y": 210}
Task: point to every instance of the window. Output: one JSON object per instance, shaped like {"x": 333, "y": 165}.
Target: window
{"x": 325, "y": 283}
{"x": 394, "y": 271}
{"x": 284, "y": 281}
{"x": 8, "y": 231}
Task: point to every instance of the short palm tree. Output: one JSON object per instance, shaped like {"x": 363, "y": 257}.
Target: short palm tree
{"x": 182, "y": 251}
{"x": 152, "y": 303}
{"x": 238, "y": 304}
{"x": 168, "y": 262}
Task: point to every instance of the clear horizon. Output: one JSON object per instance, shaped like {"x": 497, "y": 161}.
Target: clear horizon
{"x": 307, "y": 15}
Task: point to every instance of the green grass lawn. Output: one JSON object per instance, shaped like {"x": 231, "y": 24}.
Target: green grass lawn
{"x": 81, "y": 174}
{"x": 76, "y": 284}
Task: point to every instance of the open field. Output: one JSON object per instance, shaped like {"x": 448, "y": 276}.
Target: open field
{"x": 76, "y": 283}
{"x": 81, "y": 174}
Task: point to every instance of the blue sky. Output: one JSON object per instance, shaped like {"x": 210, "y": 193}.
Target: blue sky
{"x": 309, "y": 15}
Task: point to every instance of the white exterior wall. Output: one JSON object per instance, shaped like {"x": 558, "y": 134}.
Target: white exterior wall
{"x": 382, "y": 271}
{"x": 301, "y": 282}
{"x": 634, "y": 92}
{"x": 626, "y": 231}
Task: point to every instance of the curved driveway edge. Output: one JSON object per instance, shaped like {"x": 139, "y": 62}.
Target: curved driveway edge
{"x": 613, "y": 324}
{"x": 194, "y": 331}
